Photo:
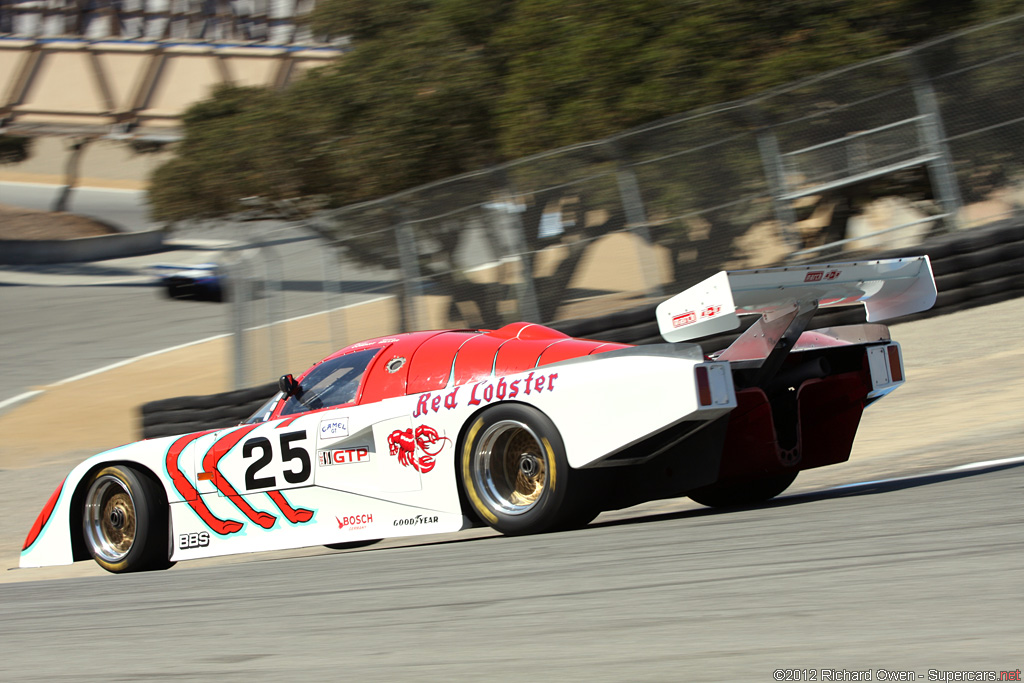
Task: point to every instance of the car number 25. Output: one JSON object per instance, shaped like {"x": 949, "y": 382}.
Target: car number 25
{"x": 296, "y": 466}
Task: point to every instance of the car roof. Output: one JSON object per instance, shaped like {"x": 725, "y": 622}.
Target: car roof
{"x": 416, "y": 362}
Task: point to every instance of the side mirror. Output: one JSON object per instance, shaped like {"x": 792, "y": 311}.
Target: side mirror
{"x": 288, "y": 385}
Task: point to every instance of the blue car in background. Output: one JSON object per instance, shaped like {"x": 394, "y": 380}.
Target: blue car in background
{"x": 202, "y": 282}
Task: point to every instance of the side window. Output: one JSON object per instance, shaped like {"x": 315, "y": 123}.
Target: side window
{"x": 332, "y": 383}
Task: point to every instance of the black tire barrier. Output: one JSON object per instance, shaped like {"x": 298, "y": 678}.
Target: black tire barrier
{"x": 972, "y": 268}
{"x": 186, "y": 414}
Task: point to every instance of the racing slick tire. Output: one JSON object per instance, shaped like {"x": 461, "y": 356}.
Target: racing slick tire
{"x": 124, "y": 521}
{"x": 515, "y": 475}
{"x": 745, "y": 492}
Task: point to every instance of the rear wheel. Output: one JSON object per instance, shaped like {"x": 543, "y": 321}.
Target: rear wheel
{"x": 124, "y": 521}
{"x": 743, "y": 492}
{"x": 515, "y": 475}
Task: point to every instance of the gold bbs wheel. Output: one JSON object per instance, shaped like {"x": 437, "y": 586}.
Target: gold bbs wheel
{"x": 124, "y": 520}
{"x": 511, "y": 467}
{"x": 515, "y": 475}
{"x": 110, "y": 520}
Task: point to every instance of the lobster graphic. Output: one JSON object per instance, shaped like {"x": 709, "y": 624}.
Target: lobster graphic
{"x": 404, "y": 443}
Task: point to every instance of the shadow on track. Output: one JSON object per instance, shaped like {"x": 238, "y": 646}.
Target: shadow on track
{"x": 841, "y": 491}
{"x": 867, "y": 488}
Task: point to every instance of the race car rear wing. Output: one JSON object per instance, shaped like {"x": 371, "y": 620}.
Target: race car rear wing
{"x": 887, "y": 288}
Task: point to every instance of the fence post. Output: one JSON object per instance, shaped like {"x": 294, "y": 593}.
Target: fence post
{"x": 408, "y": 259}
{"x": 775, "y": 174}
{"x": 933, "y": 134}
{"x": 236, "y": 288}
{"x": 240, "y": 292}
{"x": 526, "y": 294}
{"x": 273, "y": 278}
{"x": 331, "y": 285}
{"x": 636, "y": 218}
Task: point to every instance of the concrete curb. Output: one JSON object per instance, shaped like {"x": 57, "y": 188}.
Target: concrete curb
{"x": 100, "y": 248}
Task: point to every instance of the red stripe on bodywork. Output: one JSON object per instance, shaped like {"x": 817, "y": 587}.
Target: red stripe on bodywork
{"x": 210, "y": 461}
{"x": 223, "y": 445}
{"x": 189, "y": 492}
{"x": 183, "y": 485}
{"x": 43, "y": 517}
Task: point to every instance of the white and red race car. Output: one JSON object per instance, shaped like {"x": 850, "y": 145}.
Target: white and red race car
{"x": 523, "y": 428}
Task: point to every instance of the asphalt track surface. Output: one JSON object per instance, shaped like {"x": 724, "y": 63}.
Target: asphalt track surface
{"x": 914, "y": 575}
{"x": 53, "y": 333}
{"x": 116, "y": 309}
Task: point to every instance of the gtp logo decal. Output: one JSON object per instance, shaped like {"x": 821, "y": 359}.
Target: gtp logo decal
{"x": 345, "y": 456}
{"x": 404, "y": 444}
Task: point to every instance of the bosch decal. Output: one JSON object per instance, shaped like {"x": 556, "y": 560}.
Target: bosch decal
{"x": 199, "y": 539}
{"x": 416, "y": 521}
{"x": 417, "y": 450}
{"x": 354, "y": 522}
{"x": 333, "y": 429}
{"x": 486, "y": 392}
{"x": 345, "y": 456}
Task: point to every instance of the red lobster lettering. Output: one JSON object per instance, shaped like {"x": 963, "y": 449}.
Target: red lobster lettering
{"x": 404, "y": 444}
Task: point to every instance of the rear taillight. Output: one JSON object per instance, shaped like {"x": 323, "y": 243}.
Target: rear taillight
{"x": 703, "y": 385}
{"x": 895, "y": 370}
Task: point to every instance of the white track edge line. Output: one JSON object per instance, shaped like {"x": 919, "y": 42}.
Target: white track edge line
{"x": 19, "y": 398}
{"x": 981, "y": 464}
{"x": 14, "y": 400}
{"x": 129, "y": 361}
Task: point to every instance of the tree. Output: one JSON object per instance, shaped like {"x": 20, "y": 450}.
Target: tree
{"x": 436, "y": 88}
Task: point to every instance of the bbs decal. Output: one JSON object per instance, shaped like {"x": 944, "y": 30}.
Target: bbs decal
{"x": 199, "y": 539}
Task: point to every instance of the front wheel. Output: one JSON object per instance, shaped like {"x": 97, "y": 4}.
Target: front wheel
{"x": 124, "y": 521}
{"x": 515, "y": 475}
{"x": 744, "y": 492}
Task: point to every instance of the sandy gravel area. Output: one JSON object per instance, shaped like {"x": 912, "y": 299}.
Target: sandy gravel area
{"x": 963, "y": 402}
{"x": 17, "y": 223}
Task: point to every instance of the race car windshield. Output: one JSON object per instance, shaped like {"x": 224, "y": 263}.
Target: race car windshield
{"x": 263, "y": 414}
{"x": 332, "y": 383}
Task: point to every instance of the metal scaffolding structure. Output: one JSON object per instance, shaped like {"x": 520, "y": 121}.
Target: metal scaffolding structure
{"x": 270, "y": 22}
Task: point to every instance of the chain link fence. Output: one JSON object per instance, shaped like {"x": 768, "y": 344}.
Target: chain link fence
{"x": 875, "y": 156}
